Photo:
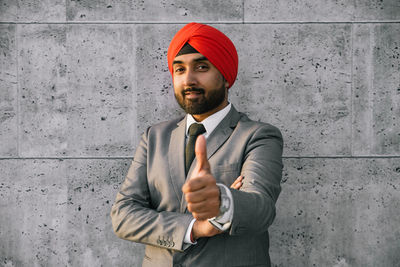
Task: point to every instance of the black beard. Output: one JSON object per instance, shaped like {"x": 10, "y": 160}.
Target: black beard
{"x": 202, "y": 105}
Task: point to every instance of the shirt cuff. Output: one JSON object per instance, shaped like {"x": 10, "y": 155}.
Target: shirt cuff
{"x": 187, "y": 238}
{"x": 223, "y": 221}
{"x": 227, "y": 216}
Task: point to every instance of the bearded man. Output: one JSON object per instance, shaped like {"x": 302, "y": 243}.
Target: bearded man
{"x": 176, "y": 197}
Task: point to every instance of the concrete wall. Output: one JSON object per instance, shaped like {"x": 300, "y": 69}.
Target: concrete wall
{"x": 80, "y": 80}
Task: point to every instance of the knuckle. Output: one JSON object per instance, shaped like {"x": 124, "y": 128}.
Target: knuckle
{"x": 211, "y": 178}
{"x": 186, "y": 187}
{"x": 189, "y": 185}
{"x": 188, "y": 197}
{"x": 190, "y": 207}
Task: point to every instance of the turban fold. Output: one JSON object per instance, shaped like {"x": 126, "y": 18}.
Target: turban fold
{"x": 211, "y": 43}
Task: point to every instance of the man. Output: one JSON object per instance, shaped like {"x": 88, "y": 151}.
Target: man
{"x": 182, "y": 210}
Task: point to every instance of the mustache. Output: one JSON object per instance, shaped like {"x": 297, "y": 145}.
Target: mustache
{"x": 193, "y": 89}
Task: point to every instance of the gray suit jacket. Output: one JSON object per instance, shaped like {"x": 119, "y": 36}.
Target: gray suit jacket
{"x": 151, "y": 209}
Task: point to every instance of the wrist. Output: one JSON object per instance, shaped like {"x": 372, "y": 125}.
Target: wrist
{"x": 203, "y": 229}
{"x": 195, "y": 231}
{"x": 192, "y": 239}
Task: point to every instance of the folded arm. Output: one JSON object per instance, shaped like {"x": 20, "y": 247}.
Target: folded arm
{"x": 254, "y": 203}
{"x": 133, "y": 217}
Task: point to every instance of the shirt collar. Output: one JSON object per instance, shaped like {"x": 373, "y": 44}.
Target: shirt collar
{"x": 211, "y": 122}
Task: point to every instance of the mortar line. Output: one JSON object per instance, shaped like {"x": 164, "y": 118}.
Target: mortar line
{"x": 370, "y": 87}
{"x": 206, "y": 22}
{"x": 322, "y": 22}
{"x": 352, "y": 90}
{"x": 18, "y": 92}
{"x": 130, "y": 158}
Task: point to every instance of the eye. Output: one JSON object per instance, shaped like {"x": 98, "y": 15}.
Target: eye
{"x": 202, "y": 67}
{"x": 179, "y": 69}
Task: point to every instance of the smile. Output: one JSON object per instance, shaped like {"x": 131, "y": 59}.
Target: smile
{"x": 193, "y": 93}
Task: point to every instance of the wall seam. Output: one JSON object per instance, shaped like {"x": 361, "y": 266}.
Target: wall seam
{"x": 371, "y": 86}
{"x": 207, "y": 22}
{"x": 351, "y": 89}
{"x": 18, "y": 92}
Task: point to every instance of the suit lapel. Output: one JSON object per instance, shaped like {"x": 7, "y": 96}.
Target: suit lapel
{"x": 216, "y": 140}
{"x": 222, "y": 132}
{"x": 176, "y": 157}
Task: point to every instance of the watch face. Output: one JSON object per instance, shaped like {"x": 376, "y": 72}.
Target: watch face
{"x": 225, "y": 204}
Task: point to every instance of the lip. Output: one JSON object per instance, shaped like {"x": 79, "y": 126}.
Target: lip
{"x": 192, "y": 94}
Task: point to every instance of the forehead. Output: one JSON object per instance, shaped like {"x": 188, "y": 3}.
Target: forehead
{"x": 188, "y": 58}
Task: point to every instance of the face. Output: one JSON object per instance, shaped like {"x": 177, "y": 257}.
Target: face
{"x": 199, "y": 87}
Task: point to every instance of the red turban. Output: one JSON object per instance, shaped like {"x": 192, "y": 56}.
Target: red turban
{"x": 211, "y": 43}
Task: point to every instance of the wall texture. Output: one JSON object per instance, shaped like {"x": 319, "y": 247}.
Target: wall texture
{"x": 80, "y": 80}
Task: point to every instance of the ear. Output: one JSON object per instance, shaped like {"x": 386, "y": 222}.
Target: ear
{"x": 225, "y": 82}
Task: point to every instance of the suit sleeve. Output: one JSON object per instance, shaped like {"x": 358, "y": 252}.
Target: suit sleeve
{"x": 254, "y": 203}
{"x": 134, "y": 219}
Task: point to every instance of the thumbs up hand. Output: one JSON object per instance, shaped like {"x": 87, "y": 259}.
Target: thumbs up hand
{"x": 201, "y": 191}
{"x": 202, "y": 166}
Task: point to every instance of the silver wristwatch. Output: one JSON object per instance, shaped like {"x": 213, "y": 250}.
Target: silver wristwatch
{"x": 225, "y": 204}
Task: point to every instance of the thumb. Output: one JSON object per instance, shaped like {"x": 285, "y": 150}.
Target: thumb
{"x": 201, "y": 154}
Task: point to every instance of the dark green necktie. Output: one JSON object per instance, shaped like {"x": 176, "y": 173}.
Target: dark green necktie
{"x": 194, "y": 131}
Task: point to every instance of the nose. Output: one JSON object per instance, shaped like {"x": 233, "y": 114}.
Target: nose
{"x": 189, "y": 78}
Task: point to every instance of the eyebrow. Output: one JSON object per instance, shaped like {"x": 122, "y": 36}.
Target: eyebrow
{"x": 203, "y": 58}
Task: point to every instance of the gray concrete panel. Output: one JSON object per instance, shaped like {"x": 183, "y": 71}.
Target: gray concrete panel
{"x": 48, "y": 10}
{"x": 8, "y": 10}
{"x": 376, "y": 10}
{"x": 33, "y": 197}
{"x": 8, "y": 92}
{"x": 338, "y": 212}
{"x": 56, "y": 213}
{"x": 176, "y": 10}
{"x": 155, "y": 93}
{"x": 297, "y": 77}
{"x": 326, "y": 10}
{"x": 302, "y": 10}
{"x": 41, "y": 11}
{"x": 43, "y": 88}
{"x": 376, "y": 95}
{"x": 92, "y": 187}
{"x": 307, "y": 78}
{"x": 101, "y": 85}
{"x": 76, "y": 90}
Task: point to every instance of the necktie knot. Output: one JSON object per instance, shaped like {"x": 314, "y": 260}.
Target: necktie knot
{"x": 196, "y": 129}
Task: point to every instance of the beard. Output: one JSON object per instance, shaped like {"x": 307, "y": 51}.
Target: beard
{"x": 202, "y": 104}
